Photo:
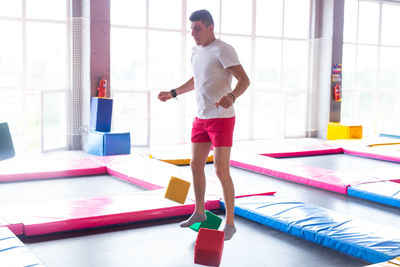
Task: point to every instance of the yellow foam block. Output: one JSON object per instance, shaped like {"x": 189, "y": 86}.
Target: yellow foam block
{"x": 177, "y": 190}
{"x": 339, "y": 131}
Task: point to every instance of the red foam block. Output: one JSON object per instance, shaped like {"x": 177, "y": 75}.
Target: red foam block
{"x": 209, "y": 246}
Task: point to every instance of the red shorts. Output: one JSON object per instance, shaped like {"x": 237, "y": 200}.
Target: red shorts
{"x": 218, "y": 131}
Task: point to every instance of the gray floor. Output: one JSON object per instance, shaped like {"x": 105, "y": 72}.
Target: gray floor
{"x": 163, "y": 243}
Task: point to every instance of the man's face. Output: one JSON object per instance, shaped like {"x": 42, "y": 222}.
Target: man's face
{"x": 201, "y": 33}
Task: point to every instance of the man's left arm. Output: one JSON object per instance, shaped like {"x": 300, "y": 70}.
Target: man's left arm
{"x": 243, "y": 83}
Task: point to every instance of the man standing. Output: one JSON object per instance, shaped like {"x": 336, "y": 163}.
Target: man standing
{"x": 214, "y": 62}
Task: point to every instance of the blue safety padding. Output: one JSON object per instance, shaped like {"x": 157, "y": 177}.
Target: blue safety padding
{"x": 100, "y": 114}
{"x": 384, "y": 192}
{"x": 108, "y": 143}
{"x": 353, "y": 236}
{"x": 13, "y": 252}
{"x": 6, "y": 144}
{"x": 389, "y": 135}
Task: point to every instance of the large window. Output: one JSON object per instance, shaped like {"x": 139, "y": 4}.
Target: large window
{"x": 371, "y": 69}
{"x": 150, "y": 52}
{"x": 34, "y": 71}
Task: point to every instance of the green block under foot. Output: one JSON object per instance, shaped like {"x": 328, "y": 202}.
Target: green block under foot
{"x": 212, "y": 222}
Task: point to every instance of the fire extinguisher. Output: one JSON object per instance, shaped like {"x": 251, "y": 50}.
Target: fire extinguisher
{"x": 337, "y": 93}
{"x": 102, "y": 88}
{"x": 337, "y": 81}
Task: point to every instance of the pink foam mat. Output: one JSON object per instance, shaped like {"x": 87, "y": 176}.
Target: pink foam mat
{"x": 303, "y": 150}
{"x": 382, "y": 174}
{"x": 257, "y": 194}
{"x": 154, "y": 174}
{"x": 312, "y": 176}
{"x": 17, "y": 229}
{"x": 44, "y": 169}
{"x": 145, "y": 172}
{"x": 65, "y": 215}
{"x": 289, "y": 147}
{"x": 374, "y": 153}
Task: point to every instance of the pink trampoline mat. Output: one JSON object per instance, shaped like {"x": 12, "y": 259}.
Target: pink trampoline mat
{"x": 71, "y": 214}
{"x": 65, "y": 215}
{"x": 76, "y": 187}
{"x": 336, "y": 181}
{"x": 44, "y": 169}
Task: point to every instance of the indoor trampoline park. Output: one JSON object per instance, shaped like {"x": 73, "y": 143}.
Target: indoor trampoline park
{"x": 200, "y": 133}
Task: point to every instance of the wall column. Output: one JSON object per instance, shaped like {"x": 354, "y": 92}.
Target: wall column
{"x": 326, "y": 50}
{"x": 96, "y": 54}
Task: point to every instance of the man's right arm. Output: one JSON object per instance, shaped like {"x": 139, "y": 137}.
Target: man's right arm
{"x": 184, "y": 88}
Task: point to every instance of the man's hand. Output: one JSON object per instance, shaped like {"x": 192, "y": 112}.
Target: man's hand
{"x": 226, "y": 101}
{"x": 164, "y": 95}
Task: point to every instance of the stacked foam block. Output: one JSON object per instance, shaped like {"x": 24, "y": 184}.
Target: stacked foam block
{"x": 209, "y": 242}
{"x": 101, "y": 141}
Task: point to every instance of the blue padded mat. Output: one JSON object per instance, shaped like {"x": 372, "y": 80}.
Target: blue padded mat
{"x": 352, "y": 236}
{"x": 389, "y": 135}
{"x": 384, "y": 192}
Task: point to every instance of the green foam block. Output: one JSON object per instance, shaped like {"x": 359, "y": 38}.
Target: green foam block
{"x": 212, "y": 222}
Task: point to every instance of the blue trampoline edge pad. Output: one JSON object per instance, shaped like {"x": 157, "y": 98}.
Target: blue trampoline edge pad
{"x": 384, "y": 192}
{"x": 350, "y": 235}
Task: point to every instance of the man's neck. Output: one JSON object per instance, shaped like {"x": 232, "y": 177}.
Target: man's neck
{"x": 210, "y": 41}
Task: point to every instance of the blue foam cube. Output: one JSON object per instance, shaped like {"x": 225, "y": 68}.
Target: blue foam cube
{"x": 6, "y": 144}
{"x": 108, "y": 143}
{"x": 100, "y": 114}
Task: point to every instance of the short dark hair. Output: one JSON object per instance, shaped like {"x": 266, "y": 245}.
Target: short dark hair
{"x": 203, "y": 15}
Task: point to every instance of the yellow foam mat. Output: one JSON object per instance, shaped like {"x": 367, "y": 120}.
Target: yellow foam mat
{"x": 384, "y": 144}
{"x": 180, "y": 162}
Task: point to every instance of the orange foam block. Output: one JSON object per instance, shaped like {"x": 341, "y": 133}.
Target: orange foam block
{"x": 209, "y": 246}
{"x": 177, "y": 190}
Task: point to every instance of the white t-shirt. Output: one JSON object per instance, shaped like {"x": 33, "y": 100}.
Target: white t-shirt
{"x": 212, "y": 80}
